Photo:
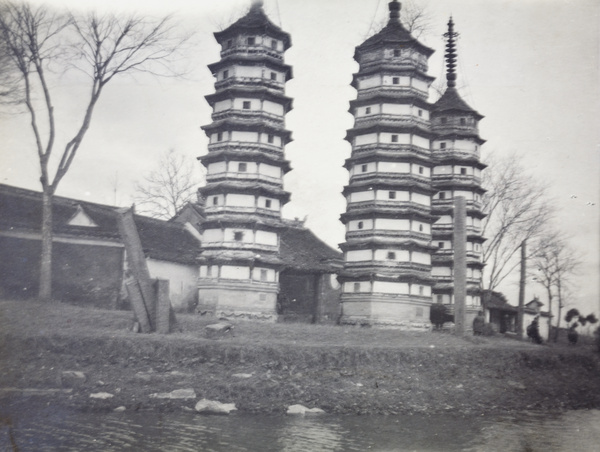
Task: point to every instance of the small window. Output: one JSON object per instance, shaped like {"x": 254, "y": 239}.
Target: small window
{"x": 274, "y": 44}
{"x": 442, "y": 145}
{"x": 368, "y": 111}
{"x": 440, "y": 298}
{"x": 476, "y": 147}
{"x": 363, "y": 168}
{"x": 251, "y": 41}
{"x": 273, "y": 75}
{"x": 391, "y": 255}
{"x": 394, "y": 138}
{"x": 392, "y": 195}
{"x": 420, "y": 112}
{"x": 209, "y": 270}
{"x": 360, "y": 225}
{"x": 356, "y": 287}
{"x": 477, "y": 247}
{"x": 420, "y": 228}
{"x": 440, "y": 245}
{"x": 420, "y": 170}
{"x": 220, "y": 136}
{"x": 215, "y": 200}
{"x": 246, "y": 105}
{"x": 268, "y": 203}
{"x": 263, "y": 274}
{"x": 463, "y": 121}
{"x": 395, "y": 80}
{"x": 443, "y": 120}
{"x": 270, "y": 138}
{"x": 242, "y": 167}
{"x": 421, "y": 290}
{"x": 238, "y": 236}
{"x": 463, "y": 171}
{"x": 396, "y": 52}
{"x": 225, "y": 73}
{"x": 442, "y": 195}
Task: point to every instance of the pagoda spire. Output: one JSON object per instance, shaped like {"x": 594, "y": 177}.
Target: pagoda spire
{"x": 257, "y": 4}
{"x": 450, "y": 37}
{"x": 394, "y": 7}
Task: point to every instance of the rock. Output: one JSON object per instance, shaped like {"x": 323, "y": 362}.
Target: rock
{"x": 101, "y": 395}
{"x": 217, "y": 330}
{"x": 176, "y": 394}
{"x": 242, "y": 375}
{"x": 516, "y": 384}
{"x": 120, "y": 409}
{"x": 205, "y": 406}
{"x": 70, "y": 378}
{"x": 302, "y": 410}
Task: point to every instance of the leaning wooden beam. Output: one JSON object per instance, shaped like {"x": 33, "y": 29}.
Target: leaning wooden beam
{"x": 138, "y": 305}
{"x": 137, "y": 262}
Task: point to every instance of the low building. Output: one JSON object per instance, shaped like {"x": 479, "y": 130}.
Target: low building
{"x": 88, "y": 254}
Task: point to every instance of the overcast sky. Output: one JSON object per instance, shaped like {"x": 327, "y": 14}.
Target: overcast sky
{"x": 531, "y": 67}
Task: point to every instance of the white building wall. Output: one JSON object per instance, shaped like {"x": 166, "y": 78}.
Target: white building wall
{"x": 249, "y": 137}
{"x": 362, "y": 196}
{"x": 183, "y": 281}
{"x": 266, "y": 238}
{"x": 389, "y": 287}
{"x": 234, "y": 272}
{"x": 396, "y": 109}
{"x": 235, "y": 199}
{"x": 359, "y": 255}
{"x": 394, "y": 167}
{"x": 272, "y": 107}
{"x": 368, "y": 138}
{"x": 391, "y": 224}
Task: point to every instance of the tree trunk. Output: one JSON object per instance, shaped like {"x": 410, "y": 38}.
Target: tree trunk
{"x": 560, "y": 305}
{"x": 45, "y": 289}
{"x": 549, "y": 313}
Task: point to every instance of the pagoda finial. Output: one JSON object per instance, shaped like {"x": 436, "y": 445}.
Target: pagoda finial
{"x": 450, "y": 36}
{"x": 394, "y": 7}
{"x": 257, "y": 4}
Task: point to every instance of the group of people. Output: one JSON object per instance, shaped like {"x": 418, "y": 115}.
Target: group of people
{"x": 533, "y": 330}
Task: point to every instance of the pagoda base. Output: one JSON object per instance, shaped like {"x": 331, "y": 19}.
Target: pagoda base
{"x": 395, "y": 311}
{"x": 238, "y": 300}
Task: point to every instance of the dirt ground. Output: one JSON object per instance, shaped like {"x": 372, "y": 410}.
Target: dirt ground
{"x": 61, "y": 354}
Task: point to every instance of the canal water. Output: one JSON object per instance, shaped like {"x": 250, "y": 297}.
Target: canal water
{"x": 51, "y": 429}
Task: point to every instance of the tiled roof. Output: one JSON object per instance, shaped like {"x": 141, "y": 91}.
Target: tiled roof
{"x": 21, "y": 210}
{"x": 302, "y": 250}
{"x": 256, "y": 19}
{"x": 451, "y": 101}
{"x": 393, "y": 33}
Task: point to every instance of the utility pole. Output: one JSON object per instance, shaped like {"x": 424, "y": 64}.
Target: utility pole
{"x": 522, "y": 289}
{"x": 460, "y": 264}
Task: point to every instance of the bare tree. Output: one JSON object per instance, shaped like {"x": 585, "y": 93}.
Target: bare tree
{"x": 555, "y": 263}
{"x": 39, "y": 40}
{"x": 164, "y": 191}
{"x": 517, "y": 209}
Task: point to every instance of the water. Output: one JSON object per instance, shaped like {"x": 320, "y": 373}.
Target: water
{"x": 51, "y": 429}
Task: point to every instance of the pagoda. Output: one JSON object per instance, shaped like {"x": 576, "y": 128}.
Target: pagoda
{"x": 456, "y": 172}
{"x": 245, "y": 164}
{"x": 386, "y": 278}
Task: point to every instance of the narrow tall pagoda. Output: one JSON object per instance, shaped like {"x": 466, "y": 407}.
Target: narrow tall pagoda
{"x": 457, "y": 171}
{"x": 240, "y": 263}
{"x": 387, "y": 253}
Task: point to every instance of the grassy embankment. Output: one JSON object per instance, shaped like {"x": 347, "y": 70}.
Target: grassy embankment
{"x": 338, "y": 369}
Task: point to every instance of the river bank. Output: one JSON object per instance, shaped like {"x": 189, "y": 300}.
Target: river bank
{"x": 61, "y": 354}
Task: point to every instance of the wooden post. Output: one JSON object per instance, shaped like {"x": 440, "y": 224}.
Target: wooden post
{"x": 163, "y": 308}
{"x": 460, "y": 264}
{"x": 522, "y": 289}
{"x": 137, "y": 262}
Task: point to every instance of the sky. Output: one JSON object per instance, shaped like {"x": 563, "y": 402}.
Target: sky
{"x": 531, "y": 67}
